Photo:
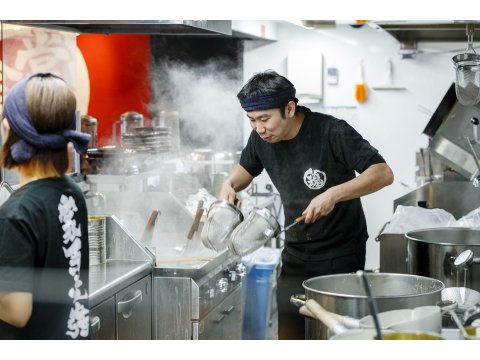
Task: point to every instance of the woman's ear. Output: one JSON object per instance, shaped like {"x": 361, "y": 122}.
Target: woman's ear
{"x": 4, "y": 129}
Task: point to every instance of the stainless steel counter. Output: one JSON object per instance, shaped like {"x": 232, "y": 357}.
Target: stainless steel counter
{"x": 109, "y": 278}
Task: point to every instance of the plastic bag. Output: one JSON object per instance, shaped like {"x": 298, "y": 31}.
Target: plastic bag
{"x": 472, "y": 219}
{"x": 408, "y": 218}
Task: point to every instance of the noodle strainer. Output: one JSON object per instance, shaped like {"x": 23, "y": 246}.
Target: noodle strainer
{"x": 259, "y": 227}
{"x": 467, "y": 71}
{"x": 222, "y": 218}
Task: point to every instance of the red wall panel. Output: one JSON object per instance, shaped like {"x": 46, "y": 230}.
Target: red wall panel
{"x": 119, "y": 74}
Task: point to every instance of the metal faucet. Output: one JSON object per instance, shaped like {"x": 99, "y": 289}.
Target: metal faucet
{"x": 466, "y": 259}
{"x": 99, "y": 200}
{"x": 476, "y": 176}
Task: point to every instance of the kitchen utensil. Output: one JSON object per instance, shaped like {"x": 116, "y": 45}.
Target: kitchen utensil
{"x": 423, "y": 318}
{"x": 467, "y": 71}
{"x": 320, "y": 313}
{"x": 222, "y": 218}
{"x": 459, "y": 324}
{"x": 372, "y": 303}
{"x": 464, "y": 297}
{"x": 360, "y": 87}
{"x": 471, "y": 314}
{"x": 148, "y": 231}
{"x": 297, "y": 221}
{"x": 259, "y": 227}
{"x": 344, "y": 294}
{"x": 196, "y": 221}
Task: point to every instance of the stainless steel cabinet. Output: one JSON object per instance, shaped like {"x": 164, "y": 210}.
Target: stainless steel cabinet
{"x": 134, "y": 311}
{"x": 102, "y": 320}
{"x": 223, "y": 322}
{"x": 125, "y": 316}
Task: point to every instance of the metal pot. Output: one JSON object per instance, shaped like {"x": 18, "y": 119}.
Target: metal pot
{"x": 432, "y": 252}
{"x": 344, "y": 294}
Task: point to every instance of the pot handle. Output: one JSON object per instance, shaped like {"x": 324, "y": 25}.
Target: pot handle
{"x": 377, "y": 238}
{"x": 298, "y": 300}
{"x": 324, "y": 316}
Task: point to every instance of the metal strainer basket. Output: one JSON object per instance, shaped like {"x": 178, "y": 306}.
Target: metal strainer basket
{"x": 259, "y": 227}
{"x": 463, "y": 296}
{"x": 222, "y": 218}
{"x": 467, "y": 71}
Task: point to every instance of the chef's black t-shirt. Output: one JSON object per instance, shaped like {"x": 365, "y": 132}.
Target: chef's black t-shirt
{"x": 326, "y": 152}
{"x": 44, "y": 250}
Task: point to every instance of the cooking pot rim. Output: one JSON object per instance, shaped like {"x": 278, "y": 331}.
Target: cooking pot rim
{"x": 339, "y": 295}
{"x": 410, "y": 235}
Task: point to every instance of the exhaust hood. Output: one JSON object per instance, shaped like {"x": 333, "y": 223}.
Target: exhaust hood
{"x": 160, "y": 27}
{"x": 409, "y": 31}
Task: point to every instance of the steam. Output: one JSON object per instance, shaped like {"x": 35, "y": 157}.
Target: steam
{"x": 205, "y": 99}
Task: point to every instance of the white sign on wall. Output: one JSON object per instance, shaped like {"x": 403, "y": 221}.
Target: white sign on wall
{"x": 305, "y": 71}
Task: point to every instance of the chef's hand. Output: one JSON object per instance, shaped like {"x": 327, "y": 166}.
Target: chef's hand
{"x": 320, "y": 206}
{"x": 228, "y": 193}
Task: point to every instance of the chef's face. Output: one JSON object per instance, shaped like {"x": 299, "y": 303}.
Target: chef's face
{"x": 270, "y": 124}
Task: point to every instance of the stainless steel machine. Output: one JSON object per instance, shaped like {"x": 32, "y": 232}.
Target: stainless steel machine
{"x": 197, "y": 292}
{"x": 198, "y": 301}
{"x": 450, "y": 168}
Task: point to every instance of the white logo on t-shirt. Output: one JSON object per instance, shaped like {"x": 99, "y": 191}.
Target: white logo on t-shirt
{"x": 314, "y": 179}
{"x": 78, "y": 320}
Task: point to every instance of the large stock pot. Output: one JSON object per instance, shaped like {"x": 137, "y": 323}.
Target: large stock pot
{"x": 344, "y": 294}
{"x": 432, "y": 252}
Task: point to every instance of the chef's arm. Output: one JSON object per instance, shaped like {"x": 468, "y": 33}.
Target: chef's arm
{"x": 372, "y": 179}
{"x": 237, "y": 180}
{"x": 15, "y": 307}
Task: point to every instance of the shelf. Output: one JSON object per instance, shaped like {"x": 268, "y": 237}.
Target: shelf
{"x": 388, "y": 87}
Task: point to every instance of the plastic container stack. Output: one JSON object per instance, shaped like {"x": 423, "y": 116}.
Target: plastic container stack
{"x": 260, "y": 314}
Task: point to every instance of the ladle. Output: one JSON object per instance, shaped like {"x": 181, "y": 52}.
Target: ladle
{"x": 196, "y": 221}
{"x": 372, "y": 303}
{"x": 459, "y": 324}
{"x": 148, "y": 231}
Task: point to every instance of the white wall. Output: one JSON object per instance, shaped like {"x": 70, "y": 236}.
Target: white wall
{"x": 392, "y": 121}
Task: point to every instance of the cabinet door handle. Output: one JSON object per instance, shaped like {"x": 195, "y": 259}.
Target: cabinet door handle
{"x": 219, "y": 319}
{"x": 125, "y": 307}
{"x": 229, "y": 310}
{"x": 95, "y": 324}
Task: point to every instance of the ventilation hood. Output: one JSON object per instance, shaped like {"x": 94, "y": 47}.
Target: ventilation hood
{"x": 410, "y": 31}
{"x": 160, "y": 27}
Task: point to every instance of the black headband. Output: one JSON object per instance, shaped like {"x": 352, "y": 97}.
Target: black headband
{"x": 273, "y": 101}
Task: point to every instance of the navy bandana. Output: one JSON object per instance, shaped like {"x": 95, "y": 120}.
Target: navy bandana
{"x": 16, "y": 111}
{"x": 273, "y": 101}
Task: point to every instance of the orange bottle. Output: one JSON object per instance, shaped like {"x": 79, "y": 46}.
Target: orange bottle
{"x": 360, "y": 87}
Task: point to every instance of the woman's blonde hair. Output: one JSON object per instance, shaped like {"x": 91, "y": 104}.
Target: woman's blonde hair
{"x": 51, "y": 105}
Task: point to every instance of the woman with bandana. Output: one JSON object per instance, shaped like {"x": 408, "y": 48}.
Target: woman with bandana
{"x": 311, "y": 159}
{"x": 43, "y": 224}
